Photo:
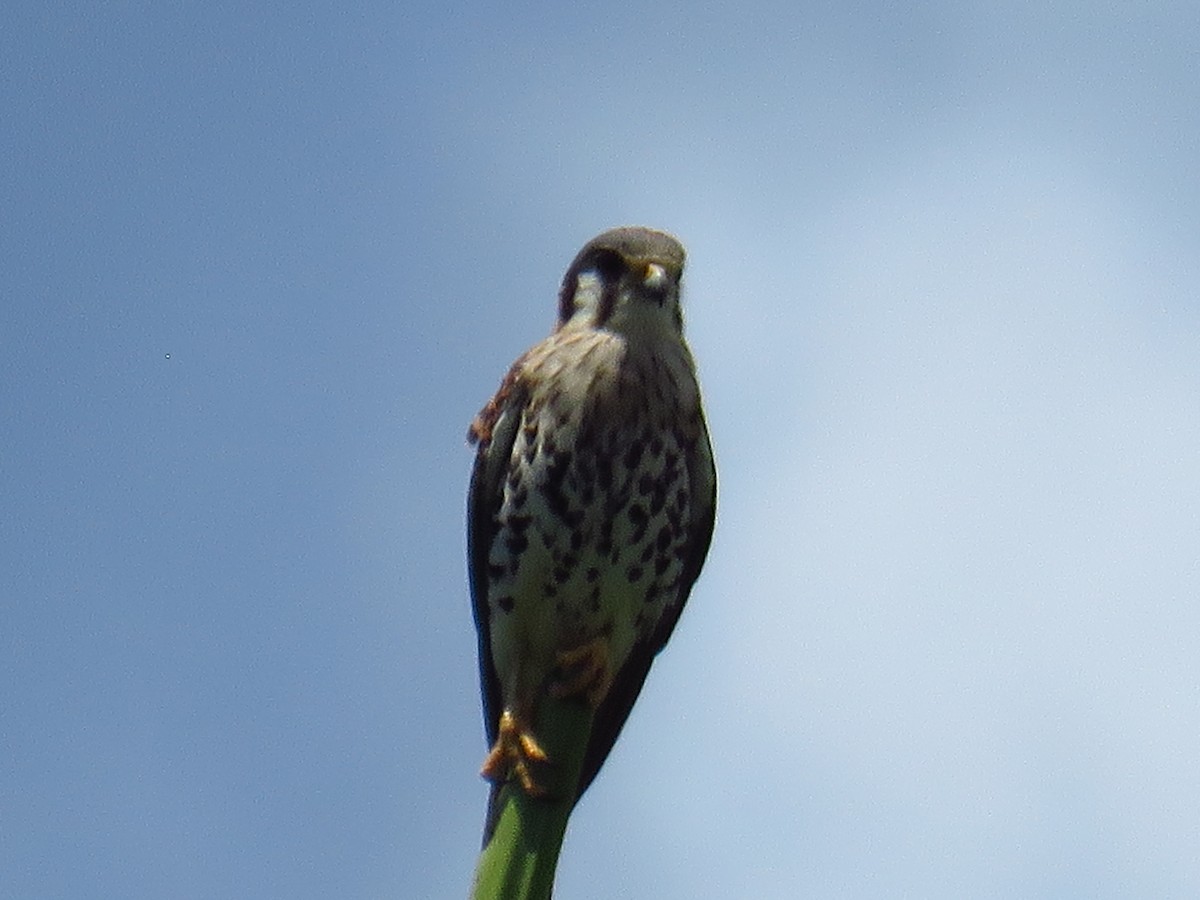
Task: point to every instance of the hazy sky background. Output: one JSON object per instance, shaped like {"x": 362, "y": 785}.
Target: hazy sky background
{"x": 261, "y": 263}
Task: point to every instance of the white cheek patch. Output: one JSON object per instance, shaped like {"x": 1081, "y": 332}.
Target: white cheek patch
{"x": 589, "y": 290}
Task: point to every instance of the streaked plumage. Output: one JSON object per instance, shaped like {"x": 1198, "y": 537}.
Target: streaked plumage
{"x": 592, "y": 501}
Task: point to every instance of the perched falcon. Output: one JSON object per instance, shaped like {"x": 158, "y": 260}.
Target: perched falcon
{"x": 591, "y": 504}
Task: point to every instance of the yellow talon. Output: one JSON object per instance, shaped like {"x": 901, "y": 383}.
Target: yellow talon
{"x": 512, "y": 754}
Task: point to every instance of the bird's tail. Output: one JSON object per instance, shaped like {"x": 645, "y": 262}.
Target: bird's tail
{"x": 493, "y": 812}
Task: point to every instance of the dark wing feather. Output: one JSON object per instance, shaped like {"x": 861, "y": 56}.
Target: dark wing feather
{"x": 495, "y": 431}
{"x": 614, "y": 710}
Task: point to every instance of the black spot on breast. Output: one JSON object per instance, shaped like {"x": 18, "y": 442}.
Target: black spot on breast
{"x": 634, "y": 573}
{"x": 604, "y": 541}
{"x": 593, "y": 575}
{"x": 665, "y": 536}
{"x": 584, "y": 478}
{"x": 505, "y": 603}
{"x": 671, "y": 468}
{"x": 681, "y": 499}
{"x": 604, "y": 474}
{"x": 633, "y": 453}
{"x": 639, "y": 519}
{"x": 658, "y": 497}
{"x": 555, "y": 477}
{"x": 516, "y": 543}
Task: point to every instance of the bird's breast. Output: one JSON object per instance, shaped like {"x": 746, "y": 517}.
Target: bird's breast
{"x": 596, "y": 502}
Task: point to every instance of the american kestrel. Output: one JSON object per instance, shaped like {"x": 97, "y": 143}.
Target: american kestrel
{"x": 591, "y": 505}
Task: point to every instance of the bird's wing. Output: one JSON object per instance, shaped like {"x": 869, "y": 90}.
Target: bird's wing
{"x": 627, "y": 684}
{"x": 494, "y": 431}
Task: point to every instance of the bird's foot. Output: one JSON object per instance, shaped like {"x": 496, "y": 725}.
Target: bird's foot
{"x": 583, "y": 671}
{"x": 514, "y": 755}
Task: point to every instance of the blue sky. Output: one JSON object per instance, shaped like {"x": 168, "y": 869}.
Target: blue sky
{"x": 262, "y": 263}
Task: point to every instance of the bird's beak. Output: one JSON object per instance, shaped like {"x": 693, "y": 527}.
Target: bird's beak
{"x": 655, "y": 278}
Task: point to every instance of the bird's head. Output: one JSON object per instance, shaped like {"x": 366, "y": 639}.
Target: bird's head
{"x": 625, "y": 280}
